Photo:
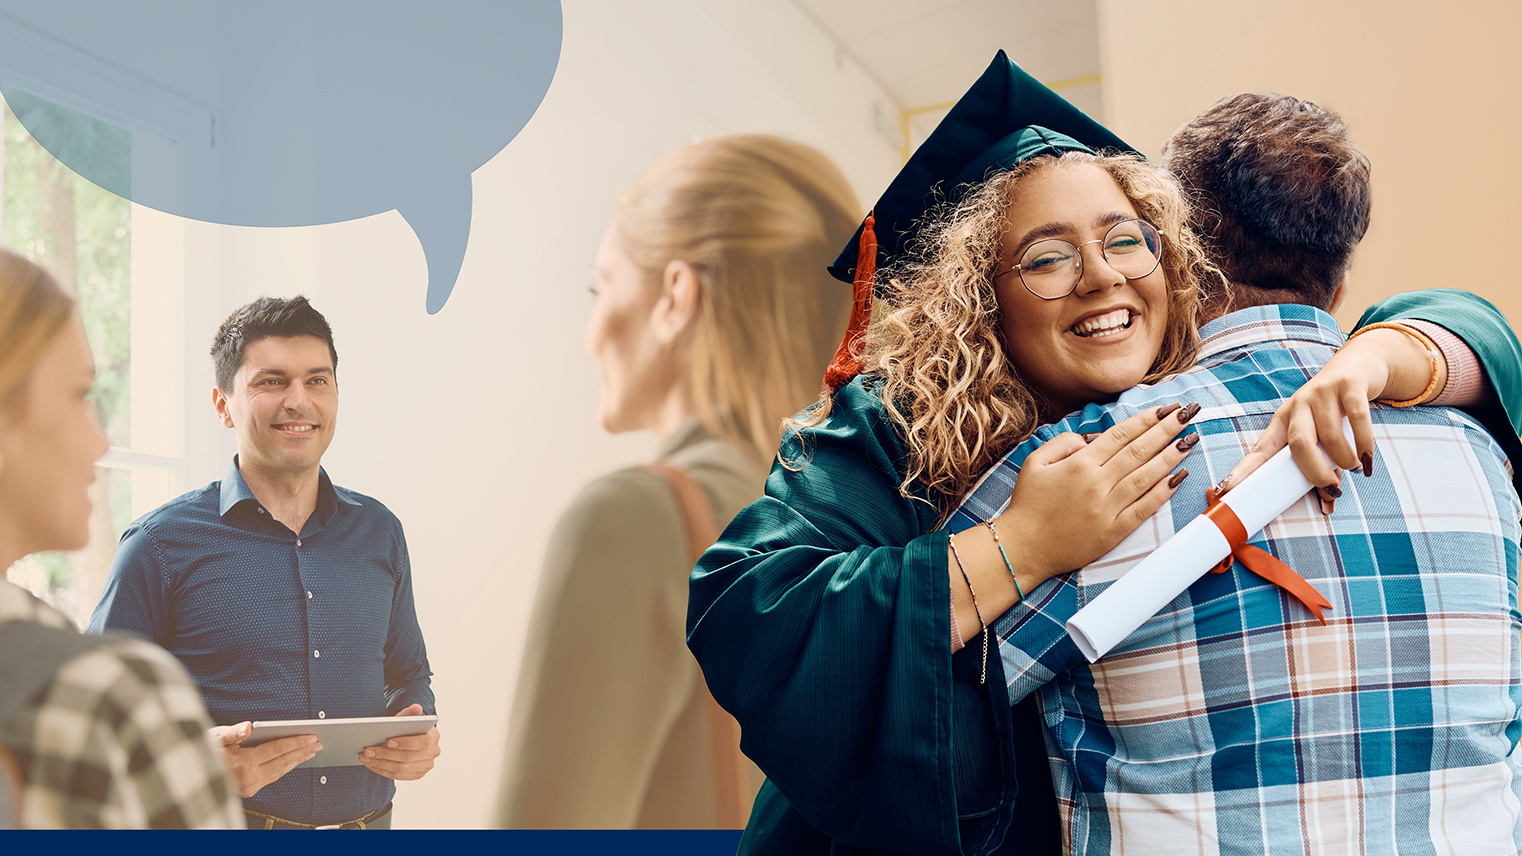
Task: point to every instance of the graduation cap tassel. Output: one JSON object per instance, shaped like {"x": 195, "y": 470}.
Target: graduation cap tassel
{"x": 847, "y": 362}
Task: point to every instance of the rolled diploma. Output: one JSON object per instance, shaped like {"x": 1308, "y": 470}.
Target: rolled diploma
{"x": 1156, "y": 580}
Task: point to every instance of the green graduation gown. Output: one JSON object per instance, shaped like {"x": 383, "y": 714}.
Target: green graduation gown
{"x": 821, "y": 619}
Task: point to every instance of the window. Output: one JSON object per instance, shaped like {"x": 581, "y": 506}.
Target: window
{"x": 125, "y": 264}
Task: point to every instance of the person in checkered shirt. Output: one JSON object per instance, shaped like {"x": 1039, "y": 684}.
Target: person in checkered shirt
{"x": 115, "y": 739}
{"x": 105, "y": 732}
{"x": 1234, "y": 721}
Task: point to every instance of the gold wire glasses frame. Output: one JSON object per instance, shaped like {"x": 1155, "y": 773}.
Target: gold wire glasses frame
{"x": 1132, "y": 247}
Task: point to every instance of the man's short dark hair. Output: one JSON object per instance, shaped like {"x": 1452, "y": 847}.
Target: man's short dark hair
{"x": 265, "y": 317}
{"x": 1281, "y": 196}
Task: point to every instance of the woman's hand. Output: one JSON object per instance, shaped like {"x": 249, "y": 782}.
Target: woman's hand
{"x": 1078, "y": 497}
{"x": 1381, "y": 363}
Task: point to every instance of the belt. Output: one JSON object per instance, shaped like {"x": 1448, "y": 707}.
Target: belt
{"x": 273, "y": 822}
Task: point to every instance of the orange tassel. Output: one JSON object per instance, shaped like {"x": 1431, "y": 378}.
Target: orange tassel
{"x": 847, "y": 361}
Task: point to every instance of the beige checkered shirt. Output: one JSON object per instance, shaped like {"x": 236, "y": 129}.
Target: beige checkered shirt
{"x": 117, "y": 740}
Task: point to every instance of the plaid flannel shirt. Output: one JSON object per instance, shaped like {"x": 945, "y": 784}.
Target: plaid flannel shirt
{"x": 117, "y": 740}
{"x": 1232, "y": 722}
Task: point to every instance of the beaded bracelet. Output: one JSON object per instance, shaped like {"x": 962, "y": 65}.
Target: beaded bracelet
{"x": 983, "y": 678}
{"x": 1421, "y": 339}
{"x": 1007, "y": 565}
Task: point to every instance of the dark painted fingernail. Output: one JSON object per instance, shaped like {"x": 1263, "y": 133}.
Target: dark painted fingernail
{"x": 1333, "y": 491}
{"x": 1188, "y": 413}
{"x": 1221, "y": 488}
{"x": 1166, "y": 409}
{"x": 1178, "y": 478}
{"x": 1368, "y": 463}
{"x": 1089, "y": 437}
{"x": 1186, "y": 443}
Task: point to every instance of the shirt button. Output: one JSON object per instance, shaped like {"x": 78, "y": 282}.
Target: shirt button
{"x": 324, "y": 780}
{"x": 261, "y": 511}
{"x": 298, "y": 542}
{"x": 309, "y": 595}
{"x": 316, "y": 653}
{"x": 322, "y": 714}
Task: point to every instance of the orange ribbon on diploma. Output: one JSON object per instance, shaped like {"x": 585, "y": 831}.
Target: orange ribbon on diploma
{"x": 1259, "y": 561}
{"x": 1182, "y": 559}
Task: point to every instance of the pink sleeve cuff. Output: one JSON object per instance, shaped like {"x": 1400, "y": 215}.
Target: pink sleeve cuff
{"x": 1466, "y": 385}
{"x": 957, "y": 642}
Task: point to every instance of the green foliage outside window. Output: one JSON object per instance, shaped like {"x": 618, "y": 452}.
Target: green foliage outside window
{"x": 82, "y": 235}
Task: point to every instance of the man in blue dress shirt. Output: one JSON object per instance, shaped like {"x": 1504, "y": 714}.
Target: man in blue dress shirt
{"x": 285, "y": 596}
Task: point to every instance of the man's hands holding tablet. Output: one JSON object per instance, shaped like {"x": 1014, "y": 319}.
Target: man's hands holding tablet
{"x": 404, "y": 758}
{"x": 260, "y": 753}
{"x": 256, "y": 766}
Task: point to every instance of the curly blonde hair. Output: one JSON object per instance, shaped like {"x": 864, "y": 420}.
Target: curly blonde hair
{"x": 946, "y": 378}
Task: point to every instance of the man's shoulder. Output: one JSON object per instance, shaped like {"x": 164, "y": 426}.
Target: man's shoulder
{"x": 1427, "y": 433}
{"x": 366, "y": 505}
{"x": 1245, "y": 382}
{"x": 199, "y": 505}
{"x": 1194, "y": 385}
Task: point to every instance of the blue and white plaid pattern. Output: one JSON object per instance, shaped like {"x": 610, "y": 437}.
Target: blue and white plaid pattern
{"x": 1232, "y": 722}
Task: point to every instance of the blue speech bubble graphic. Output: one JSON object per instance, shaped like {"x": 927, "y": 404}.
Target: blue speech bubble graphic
{"x": 284, "y": 112}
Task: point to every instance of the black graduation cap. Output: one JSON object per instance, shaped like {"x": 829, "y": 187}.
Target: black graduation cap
{"x": 982, "y": 133}
{"x": 1005, "y": 118}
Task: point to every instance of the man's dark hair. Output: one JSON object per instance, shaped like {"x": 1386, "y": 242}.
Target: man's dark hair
{"x": 265, "y": 317}
{"x": 1280, "y": 195}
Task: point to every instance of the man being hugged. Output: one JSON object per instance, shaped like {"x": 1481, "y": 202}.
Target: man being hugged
{"x": 285, "y": 596}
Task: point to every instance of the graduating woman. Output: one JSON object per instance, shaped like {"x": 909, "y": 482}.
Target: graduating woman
{"x": 824, "y": 619}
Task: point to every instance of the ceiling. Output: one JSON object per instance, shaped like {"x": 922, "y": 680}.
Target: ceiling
{"x": 926, "y": 53}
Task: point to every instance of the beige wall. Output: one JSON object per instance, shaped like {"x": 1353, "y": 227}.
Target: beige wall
{"x": 1430, "y": 92}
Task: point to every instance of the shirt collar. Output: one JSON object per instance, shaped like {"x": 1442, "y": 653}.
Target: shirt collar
{"x": 235, "y": 491}
{"x": 1259, "y": 325}
{"x": 690, "y": 431}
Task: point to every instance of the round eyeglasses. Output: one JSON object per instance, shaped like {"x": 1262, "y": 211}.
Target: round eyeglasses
{"x": 1052, "y": 268}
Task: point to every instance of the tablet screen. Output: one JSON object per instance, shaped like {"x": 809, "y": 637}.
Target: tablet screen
{"x": 342, "y": 739}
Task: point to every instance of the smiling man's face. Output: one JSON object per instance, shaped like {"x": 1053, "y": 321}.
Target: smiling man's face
{"x": 283, "y": 405}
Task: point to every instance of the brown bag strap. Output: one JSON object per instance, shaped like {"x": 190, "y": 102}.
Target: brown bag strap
{"x": 693, "y": 501}
{"x": 730, "y": 784}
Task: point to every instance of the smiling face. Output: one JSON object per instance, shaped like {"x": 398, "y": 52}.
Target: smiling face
{"x": 283, "y": 406}
{"x": 1104, "y": 337}
{"x": 49, "y": 443}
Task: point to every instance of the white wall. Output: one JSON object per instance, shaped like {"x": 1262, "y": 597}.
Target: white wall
{"x": 477, "y": 425}
{"x": 1429, "y": 93}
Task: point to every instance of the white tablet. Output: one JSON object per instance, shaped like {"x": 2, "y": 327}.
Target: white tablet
{"x": 342, "y": 739}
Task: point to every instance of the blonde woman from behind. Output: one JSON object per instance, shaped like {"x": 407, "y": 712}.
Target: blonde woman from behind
{"x": 714, "y": 320}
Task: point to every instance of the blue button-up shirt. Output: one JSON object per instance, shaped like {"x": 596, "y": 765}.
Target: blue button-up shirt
{"x": 1234, "y": 722}
{"x": 278, "y": 625}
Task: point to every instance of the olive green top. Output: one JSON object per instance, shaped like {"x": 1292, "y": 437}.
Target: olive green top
{"x": 608, "y": 725}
